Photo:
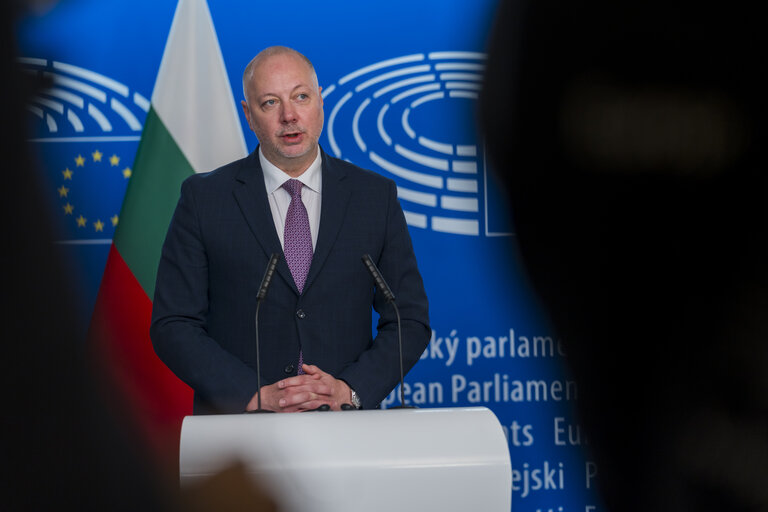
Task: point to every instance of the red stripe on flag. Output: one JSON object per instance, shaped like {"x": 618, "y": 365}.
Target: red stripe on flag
{"x": 152, "y": 396}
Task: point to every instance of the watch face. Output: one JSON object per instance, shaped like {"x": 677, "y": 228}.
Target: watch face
{"x": 355, "y": 400}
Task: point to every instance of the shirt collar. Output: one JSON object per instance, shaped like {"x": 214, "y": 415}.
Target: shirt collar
{"x": 274, "y": 177}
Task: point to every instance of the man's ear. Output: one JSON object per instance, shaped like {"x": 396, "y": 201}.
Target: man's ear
{"x": 246, "y": 111}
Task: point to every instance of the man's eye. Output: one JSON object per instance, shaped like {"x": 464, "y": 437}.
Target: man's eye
{"x": 269, "y": 103}
{"x": 303, "y": 96}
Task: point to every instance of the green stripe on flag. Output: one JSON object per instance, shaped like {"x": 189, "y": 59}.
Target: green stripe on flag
{"x": 158, "y": 170}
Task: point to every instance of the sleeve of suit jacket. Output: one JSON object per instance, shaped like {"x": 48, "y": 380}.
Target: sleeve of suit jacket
{"x": 377, "y": 371}
{"x": 180, "y": 312}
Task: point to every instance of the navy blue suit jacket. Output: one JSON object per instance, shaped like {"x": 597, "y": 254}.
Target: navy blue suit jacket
{"x": 213, "y": 260}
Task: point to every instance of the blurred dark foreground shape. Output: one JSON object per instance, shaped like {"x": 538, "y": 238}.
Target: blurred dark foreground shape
{"x": 64, "y": 440}
{"x": 631, "y": 139}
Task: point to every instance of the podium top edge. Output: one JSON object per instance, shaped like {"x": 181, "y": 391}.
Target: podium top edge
{"x": 416, "y": 411}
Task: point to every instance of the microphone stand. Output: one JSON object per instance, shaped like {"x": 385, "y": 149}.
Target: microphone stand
{"x": 267, "y": 279}
{"x": 400, "y": 345}
{"x": 381, "y": 284}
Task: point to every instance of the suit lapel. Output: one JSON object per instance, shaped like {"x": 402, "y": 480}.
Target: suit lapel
{"x": 251, "y": 196}
{"x": 335, "y": 196}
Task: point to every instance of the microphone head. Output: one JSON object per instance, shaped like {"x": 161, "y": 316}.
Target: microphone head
{"x": 378, "y": 278}
{"x": 267, "y": 276}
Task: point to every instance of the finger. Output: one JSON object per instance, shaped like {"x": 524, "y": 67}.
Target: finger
{"x": 308, "y": 406}
{"x": 296, "y": 399}
{"x": 293, "y": 396}
{"x": 318, "y": 387}
{"x": 311, "y": 406}
{"x": 298, "y": 380}
{"x": 312, "y": 369}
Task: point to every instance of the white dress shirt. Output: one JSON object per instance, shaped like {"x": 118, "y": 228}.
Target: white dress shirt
{"x": 280, "y": 199}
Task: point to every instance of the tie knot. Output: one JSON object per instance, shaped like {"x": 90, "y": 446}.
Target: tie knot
{"x": 293, "y": 187}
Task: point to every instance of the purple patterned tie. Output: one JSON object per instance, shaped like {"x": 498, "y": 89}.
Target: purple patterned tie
{"x": 297, "y": 241}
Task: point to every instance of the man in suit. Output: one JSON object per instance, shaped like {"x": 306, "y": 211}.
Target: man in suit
{"x": 320, "y": 215}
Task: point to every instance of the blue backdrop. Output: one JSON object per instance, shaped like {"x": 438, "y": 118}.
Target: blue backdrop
{"x": 400, "y": 84}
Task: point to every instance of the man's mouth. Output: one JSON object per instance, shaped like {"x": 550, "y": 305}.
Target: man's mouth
{"x": 291, "y": 136}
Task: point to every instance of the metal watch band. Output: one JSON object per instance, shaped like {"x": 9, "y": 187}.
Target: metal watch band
{"x": 355, "y": 399}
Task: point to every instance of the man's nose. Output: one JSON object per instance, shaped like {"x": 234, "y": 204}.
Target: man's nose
{"x": 288, "y": 113}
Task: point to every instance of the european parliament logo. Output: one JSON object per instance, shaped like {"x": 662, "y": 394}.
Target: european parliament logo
{"x": 412, "y": 118}
{"x": 85, "y": 131}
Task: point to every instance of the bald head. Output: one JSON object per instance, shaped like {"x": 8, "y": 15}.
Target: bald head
{"x": 271, "y": 52}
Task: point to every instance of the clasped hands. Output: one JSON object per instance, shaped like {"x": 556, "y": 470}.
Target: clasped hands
{"x": 303, "y": 392}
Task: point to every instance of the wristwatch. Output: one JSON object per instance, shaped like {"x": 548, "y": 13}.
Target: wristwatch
{"x": 355, "y": 399}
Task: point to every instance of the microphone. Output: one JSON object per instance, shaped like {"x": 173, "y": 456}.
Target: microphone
{"x": 381, "y": 284}
{"x": 266, "y": 280}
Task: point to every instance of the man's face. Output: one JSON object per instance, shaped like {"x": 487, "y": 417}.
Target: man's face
{"x": 285, "y": 111}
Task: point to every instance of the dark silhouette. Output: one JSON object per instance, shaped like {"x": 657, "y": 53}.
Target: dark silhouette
{"x": 64, "y": 441}
{"x": 631, "y": 139}
{"x": 62, "y": 446}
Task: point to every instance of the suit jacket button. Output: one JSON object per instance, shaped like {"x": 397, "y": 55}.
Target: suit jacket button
{"x": 301, "y": 314}
{"x": 288, "y": 369}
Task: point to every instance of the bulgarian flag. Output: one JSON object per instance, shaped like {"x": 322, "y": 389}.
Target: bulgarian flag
{"x": 192, "y": 126}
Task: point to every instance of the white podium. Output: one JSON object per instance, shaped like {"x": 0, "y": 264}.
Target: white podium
{"x": 382, "y": 460}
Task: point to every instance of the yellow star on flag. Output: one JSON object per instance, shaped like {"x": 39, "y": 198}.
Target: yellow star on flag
{"x": 98, "y": 225}
{"x": 67, "y": 174}
{"x": 81, "y": 221}
{"x": 80, "y": 161}
{"x": 114, "y": 220}
{"x": 68, "y": 209}
{"x": 114, "y": 160}
{"x": 96, "y": 156}
{"x": 127, "y": 172}
{"x": 63, "y": 191}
